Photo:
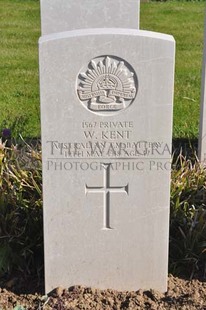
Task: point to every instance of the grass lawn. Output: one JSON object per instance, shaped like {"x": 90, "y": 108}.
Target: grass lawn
{"x": 19, "y": 85}
{"x": 20, "y": 29}
{"x": 185, "y": 21}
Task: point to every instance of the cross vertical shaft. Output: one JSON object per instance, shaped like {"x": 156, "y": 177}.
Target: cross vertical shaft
{"x": 106, "y": 189}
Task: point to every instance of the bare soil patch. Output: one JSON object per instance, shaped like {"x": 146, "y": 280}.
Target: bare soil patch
{"x": 182, "y": 294}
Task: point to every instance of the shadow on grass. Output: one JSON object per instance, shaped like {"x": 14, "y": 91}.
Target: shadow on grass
{"x": 188, "y": 148}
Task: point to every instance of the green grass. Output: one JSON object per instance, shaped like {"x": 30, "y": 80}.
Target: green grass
{"x": 19, "y": 86}
{"x": 185, "y": 21}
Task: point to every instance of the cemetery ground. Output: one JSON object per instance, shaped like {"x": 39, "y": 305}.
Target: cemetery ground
{"x": 21, "y": 250}
{"x": 21, "y": 233}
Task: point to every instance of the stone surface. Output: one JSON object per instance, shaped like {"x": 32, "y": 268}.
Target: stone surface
{"x": 202, "y": 130}
{"x": 106, "y": 108}
{"x": 65, "y": 15}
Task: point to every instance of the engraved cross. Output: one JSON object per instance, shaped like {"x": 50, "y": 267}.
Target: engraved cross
{"x": 106, "y": 189}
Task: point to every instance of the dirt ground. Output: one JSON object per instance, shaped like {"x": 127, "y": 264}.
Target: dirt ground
{"x": 181, "y": 294}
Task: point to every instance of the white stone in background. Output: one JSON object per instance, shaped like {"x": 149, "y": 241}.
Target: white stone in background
{"x": 106, "y": 114}
{"x": 202, "y": 129}
{"x": 65, "y": 15}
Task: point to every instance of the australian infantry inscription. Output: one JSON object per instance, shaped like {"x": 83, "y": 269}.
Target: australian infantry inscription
{"x": 106, "y": 115}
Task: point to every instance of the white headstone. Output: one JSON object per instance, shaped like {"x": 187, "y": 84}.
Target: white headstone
{"x": 202, "y": 129}
{"x": 106, "y": 109}
{"x": 65, "y": 15}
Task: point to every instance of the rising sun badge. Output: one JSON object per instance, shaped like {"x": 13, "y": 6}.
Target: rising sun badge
{"x": 106, "y": 85}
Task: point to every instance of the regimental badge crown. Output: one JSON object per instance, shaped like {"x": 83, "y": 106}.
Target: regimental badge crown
{"x": 107, "y": 84}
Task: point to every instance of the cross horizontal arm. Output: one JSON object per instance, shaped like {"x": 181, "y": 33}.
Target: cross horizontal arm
{"x": 94, "y": 189}
{"x": 119, "y": 189}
